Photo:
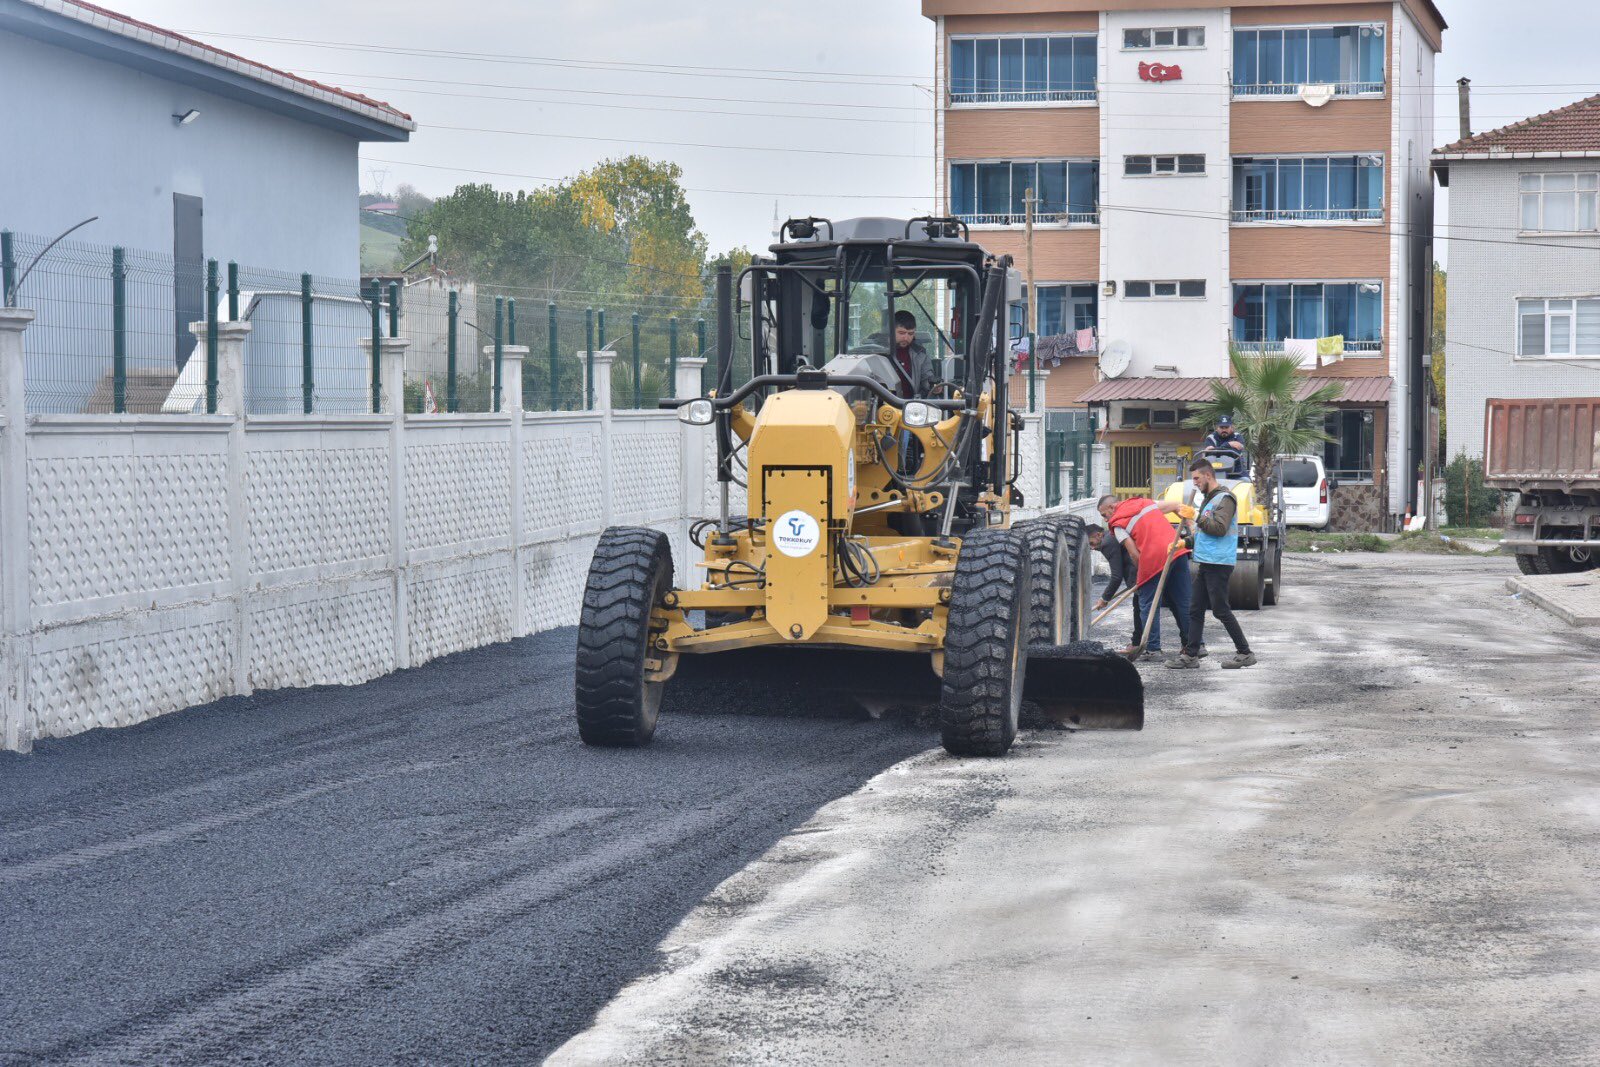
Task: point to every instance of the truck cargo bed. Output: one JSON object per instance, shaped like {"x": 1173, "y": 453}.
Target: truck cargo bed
{"x": 1551, "y": 443}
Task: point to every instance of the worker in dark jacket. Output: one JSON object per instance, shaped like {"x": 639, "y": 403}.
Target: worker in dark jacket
{"x": 1226, "y": 438}
{"x": 910, "y": 358}
{"x": 1216, "y": 550}
{"x": 1122, "y": 572}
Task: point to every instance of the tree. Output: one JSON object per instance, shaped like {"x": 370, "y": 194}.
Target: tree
{"x": 1467, "y": 501}
{"x": 1263, "y": 398}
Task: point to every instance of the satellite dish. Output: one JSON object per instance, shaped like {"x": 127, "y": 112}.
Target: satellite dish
{"x": 1316, "y": 95}
{"x": 1114, "y": 358}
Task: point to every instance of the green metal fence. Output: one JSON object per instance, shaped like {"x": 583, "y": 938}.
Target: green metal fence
{"x": 1068, "y": 471}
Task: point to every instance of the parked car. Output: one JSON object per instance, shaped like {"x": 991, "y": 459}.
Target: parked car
{"x": 1306, "y": 491}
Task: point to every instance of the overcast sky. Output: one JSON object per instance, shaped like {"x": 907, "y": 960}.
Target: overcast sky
{"x": 851, "y": 78}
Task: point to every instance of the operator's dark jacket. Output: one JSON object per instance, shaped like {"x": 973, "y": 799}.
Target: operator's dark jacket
{"x": 921, "y": 366}
{"x": 1121, "y": 566}
{"x": 1241, "y": 465}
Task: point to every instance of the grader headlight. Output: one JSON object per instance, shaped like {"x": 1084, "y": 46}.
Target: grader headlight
{"x": 917, "y": 414}
{"x": 696, "y": 412}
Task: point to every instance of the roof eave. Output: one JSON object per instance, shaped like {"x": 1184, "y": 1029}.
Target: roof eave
{"x": 237, "y": 79}
{"x": 1440, "y": 156}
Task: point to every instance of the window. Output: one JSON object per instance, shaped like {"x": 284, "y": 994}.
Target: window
{"x": 1177, "y": 290}
{"x": 1062, "y": 309}
{"x": 1142, "y": 166}
{"x": 1298, "y": 474}
{"x": 1558, "y": 203}
{"x": 1022, "y": 70}
{"x": 1558, "y": 327}
{"x": 1167, "y": 37}
{"x": 994, "y": 193}
{"x": 1133, "y": 418}
{"x": 1265, "y": 314}
{"x": 1348, "y": 454}
{"x": 1277, "y": 61}
{"x": 1307, "y": 188}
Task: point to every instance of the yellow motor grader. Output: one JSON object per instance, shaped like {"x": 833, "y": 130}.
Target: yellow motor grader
{"x": 878, "y": 559}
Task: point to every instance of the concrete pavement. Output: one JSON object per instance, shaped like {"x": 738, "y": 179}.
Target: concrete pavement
{"x": 1378, "y": 846}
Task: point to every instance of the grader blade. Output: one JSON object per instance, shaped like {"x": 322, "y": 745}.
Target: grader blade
{"x": 1085, "y": 685}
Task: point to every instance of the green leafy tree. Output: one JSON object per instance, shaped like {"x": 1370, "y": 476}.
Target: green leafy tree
{"x": 1436, "y": 345}
{"x": 1263, "y": 398}
{"x": 1467, "y": 501}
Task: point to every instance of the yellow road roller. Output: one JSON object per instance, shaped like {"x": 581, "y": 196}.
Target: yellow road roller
{"x": 878, "y": 563}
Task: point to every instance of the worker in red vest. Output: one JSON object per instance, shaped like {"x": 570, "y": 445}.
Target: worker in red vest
{"x": 1141, "y": 525}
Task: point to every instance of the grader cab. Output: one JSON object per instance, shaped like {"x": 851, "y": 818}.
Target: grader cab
{"x": 878, "y": 560}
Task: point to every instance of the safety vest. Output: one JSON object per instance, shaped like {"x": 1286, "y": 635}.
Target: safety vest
{"x": 1148, "y": 528}
{"x": 1222, "y": 549}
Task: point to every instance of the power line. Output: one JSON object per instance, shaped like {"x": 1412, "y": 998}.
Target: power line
{"x": 768, "y": 193}
{"x": 897, "y": 81}
{"x": 688, "y": 144}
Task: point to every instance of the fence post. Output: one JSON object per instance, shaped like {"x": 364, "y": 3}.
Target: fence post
{"x": 376, "y": 295}
{"x": 600, "y": 365}
{"x": 1033, "y": 372}
{"x": 588, "y": 360}
{"x": 695, "y": 440}
{"x": 555, "y": 367}
{"x": 499, "y": 351}
{"x": 672, "y": 355}
{"x": 8, "y": 270}
{"x": 233, "y": 291}
{"x": 308, "y": 363}
{"x": 16, "y": 622}
{"x": 638, "y": 385}
{"x": 452, "y": 399}
{"x": 511, "y": 320}
{"x": 119, "y": 331}
{"x": 390, "y": 354}
{"x": 211, "y": 336}
{"x": 700, "y": 353}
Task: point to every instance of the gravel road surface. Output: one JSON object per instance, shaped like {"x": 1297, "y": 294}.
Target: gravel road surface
{"x": 1381, "y": 845}
{"x": 1378, "y": 846}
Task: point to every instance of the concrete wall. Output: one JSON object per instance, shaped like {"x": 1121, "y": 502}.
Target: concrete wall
{"x": 89, "y": 137}
{"x": 1486, "y": 280}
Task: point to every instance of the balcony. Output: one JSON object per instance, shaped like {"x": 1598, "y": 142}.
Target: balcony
{"x": 1273, "y": 91}
{"x": 1359, "y": 214}
{"x": 1023, "y": 96}
{"x": 1276, "y": 348}
{"x": 1040, "y": 218}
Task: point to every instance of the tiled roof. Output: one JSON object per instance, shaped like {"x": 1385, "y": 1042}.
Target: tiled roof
{"x": 1366, "y": 390}
{"x": 1574, "y": 128}
{"x": 124, "y": 26}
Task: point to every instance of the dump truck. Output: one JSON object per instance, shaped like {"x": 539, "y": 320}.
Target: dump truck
{"x": 1257, "y": 578}
{"x": 1547, "y": 451}
{"x": 878, "y": 560}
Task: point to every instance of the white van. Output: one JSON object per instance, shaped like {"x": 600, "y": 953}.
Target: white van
{"x": 1306, "y": 491}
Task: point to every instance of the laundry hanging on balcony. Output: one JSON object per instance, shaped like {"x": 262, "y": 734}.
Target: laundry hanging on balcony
{"x": 1302, "y": 350}
{"x": 1330, "y": 349}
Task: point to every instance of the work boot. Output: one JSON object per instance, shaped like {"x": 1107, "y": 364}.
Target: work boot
{"x": 1240, "y": 659}
{"x": 1184, "y": 662}
{"x": 1202, "y": 654}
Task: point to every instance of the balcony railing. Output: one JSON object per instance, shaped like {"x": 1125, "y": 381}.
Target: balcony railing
{"x": 1339, "y": 89}
{"x": 1041, "y": 218}
{"x": 1021, "y": 96}
{"x": 1276, "y": 348}
{"x": 1346, "y": 214}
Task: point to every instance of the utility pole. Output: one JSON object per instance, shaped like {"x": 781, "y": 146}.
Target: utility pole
{"x": 1031, "y": 305}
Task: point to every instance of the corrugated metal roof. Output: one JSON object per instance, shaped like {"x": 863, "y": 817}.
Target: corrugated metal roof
{"x": 1368, "y": 390}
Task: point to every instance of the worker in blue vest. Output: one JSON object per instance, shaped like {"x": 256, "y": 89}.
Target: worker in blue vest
{"x": 1216, "y": 551}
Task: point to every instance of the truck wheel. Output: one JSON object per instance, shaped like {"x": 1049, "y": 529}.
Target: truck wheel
{"x": 985, "y": 645}
{"x": 1532, "y": 563}
{"x": 1059, "y": 578}
{"x": 616, "y": 702}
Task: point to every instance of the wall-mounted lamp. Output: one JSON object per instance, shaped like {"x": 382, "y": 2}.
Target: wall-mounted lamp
{"x": 1109, "y": 289}
{"x": 186, "y": 117}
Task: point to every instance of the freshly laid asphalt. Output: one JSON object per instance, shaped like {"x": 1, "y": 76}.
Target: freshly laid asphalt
{"x": 426, "y": 868}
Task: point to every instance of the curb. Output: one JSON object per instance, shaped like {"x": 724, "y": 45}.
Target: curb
{"x": 1550, "y": 604}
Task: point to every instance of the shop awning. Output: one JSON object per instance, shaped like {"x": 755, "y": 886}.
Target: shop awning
{"x": 1372, "y": 391}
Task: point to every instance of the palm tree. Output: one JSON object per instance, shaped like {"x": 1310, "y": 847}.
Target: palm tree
{"x": 1263, "y": 398}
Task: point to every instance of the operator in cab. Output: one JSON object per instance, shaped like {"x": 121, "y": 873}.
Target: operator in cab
{"x": 910, "y": 358}
{"x": 1224, "y": 437}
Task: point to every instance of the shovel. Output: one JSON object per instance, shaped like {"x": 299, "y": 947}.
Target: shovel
{"x": 1155, "y": 602}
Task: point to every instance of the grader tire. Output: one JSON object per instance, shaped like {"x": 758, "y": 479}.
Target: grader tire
{"x": 985, "y": 645}
{"x": 1049, "y": 581}
{"x": 630, "y": 573}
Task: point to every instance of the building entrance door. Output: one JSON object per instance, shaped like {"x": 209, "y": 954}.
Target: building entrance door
{"x": 188, "y": 271}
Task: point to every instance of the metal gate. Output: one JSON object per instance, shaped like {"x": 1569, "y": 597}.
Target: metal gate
{"x": 1067, "y": 456}
{"x": 1130, "y": 470}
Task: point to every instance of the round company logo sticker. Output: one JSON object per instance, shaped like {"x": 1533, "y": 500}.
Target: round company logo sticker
{"x": 796, "y": 534}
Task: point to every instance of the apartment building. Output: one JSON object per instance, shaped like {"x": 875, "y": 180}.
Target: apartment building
{"x": 1205, "y": 177}
{"x": 1523, "y": 316}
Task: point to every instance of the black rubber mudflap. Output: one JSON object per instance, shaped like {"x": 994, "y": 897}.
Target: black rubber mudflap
{"x": 802, "y": 681}
{"x": 1085, "y": 685}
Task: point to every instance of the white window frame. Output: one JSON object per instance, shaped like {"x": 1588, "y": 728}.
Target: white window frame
{"x": 1093, "y": 100}
{"x": 1576, "y": 193}
{"x": 1154, "y": 47}
{"x": 1374, "y": 350}
{"x": 1292, "y": 92}
{"x": 1175, "y": 172}
{"x": 1572, "y": 331}
{"x": 1176, "y": 283}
